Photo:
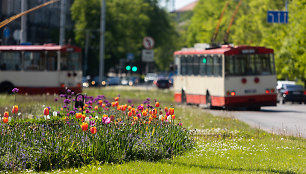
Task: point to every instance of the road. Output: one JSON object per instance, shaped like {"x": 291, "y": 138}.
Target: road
{"x": 287, "y": 119}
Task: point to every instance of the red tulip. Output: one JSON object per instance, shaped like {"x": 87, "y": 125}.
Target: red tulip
{"x": 93, "y": 130}
{"x": 46, "y": 111}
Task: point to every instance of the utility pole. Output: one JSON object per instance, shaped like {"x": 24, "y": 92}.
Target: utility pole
{"x": 23, "y": 32}
{"x": 286, "y": 5}
{"x": 102, "y": 28}
{"x": 62, "y": 22}
{"x": 86, "y": 52}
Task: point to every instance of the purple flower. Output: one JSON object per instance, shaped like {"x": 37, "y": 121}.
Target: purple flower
{"x": 129, "y": 101}
{"x": 15, "y": 90}
{"x": 72, "y": 93}
{"x": 138, "y": 115}
{"x": 49, "y": 107}
{"x": 55, "y": 99}
{"x": 106, "y": 120}
{"x": 67, "y": 101}
{"x": 63, "y": 95}
{"x": 68, "y": 91}
{"x": 71, "y": 112}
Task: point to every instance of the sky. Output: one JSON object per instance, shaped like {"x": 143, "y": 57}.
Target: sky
{"x": 179, "y": 3}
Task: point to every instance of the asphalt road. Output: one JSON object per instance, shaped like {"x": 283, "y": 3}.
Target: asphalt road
{"x": 286, "y": 119}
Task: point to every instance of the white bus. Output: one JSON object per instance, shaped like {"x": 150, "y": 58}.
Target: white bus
{"x": 242, "y": 76}
{"x": 36, "y": 69}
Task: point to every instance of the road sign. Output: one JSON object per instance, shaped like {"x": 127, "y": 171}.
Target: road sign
{"x": 147, "y": 55}
{"x": 277, "y": 17}
{"x": 148, "y": 42}
{"x": 6, "y": 32}
{"x": 130, "y": 56}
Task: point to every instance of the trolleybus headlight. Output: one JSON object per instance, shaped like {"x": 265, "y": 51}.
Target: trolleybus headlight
{"x": 267, "y": 91}
{"x": 103, "y": 83}
{"x": 62, "y": 85}
{"x": 256, "y": 80}
{"x": 272, "y": 90}
{"x": 93, "y": 83}
{"x": 228, "y": 93}
{"x": 233, "y": 93}
{"x": 304, "y": 92}
{"x": 244, "y": 80}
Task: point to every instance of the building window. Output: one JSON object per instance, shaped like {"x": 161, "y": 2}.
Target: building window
{"x": 10, "y": 61}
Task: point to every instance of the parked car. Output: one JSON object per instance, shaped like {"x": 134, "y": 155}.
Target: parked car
{"x": 163, "y": 83}
{"x": 280, "y": 83}
{"x": 291, "y": 92}
{"x": 113, "y": 81}
{"x": 150, "y": 78}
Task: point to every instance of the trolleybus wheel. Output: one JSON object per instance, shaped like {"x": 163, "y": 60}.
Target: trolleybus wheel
{"x": 6, "y": 87}
{"x": 208, "y": 101}
{"x": 183, "y": 96}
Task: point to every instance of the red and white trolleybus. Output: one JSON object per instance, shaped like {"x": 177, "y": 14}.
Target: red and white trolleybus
{"x": 229, "y": 76}
{"x": 36, "y": 69}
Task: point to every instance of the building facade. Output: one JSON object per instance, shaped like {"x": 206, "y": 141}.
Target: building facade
{"x": 42, "y": 25}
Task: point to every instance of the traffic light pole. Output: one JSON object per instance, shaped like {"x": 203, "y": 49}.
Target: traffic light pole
{"x": 102, "y": 28}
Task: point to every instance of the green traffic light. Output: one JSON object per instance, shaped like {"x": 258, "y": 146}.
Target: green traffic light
{"x": 128, "y": 68}
{"x": 204, "y": 60}
{"x": 134, "y": 69}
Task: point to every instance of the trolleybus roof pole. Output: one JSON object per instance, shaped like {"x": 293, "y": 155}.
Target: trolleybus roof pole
{"x": 7, "y": 21}
{"x": 213, "y": 39}
{"x": 225, "y": 39}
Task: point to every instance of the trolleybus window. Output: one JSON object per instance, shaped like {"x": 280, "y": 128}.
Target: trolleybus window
{"x": 262, "y": 64}
{"x": 190, "y": 65}
{"x": 34, "y": 61}
{"x": 10, "y": 61}
{"x": 196, "y": 65}
{"x": 184, "y": 65}
{"x": 70, "y": 61}
{"x": 203, "y": 67}
{"x": 51, "y": 61}
{"x": 210, "y": 65}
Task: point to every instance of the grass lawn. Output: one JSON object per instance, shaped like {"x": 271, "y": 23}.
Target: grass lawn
{"x": 224, "y": 145}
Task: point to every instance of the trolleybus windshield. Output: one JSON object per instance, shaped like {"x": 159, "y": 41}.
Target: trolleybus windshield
{"x": 252, "y": 64}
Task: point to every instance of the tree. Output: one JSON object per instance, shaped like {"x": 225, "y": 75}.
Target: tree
{"x": 127, "y": 23}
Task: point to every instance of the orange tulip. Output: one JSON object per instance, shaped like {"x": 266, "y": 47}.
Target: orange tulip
{"x": 116, "y": 103}
{"x": 96, "y": 107}
{"x": 171, "y": 111}
{"x": 6, "y": 114}
{"x": 129, "y": 114}
{"x": 103, "y": 105}
{"x": 100, "y": 102}
{"x": 5, "y": 119}
{"x": 83, "y": 117}
{"x": 93, "y": 130}
{"x": 78, "y": 115}
{"x": 173, "y": 117}
{"x": 15, "y": 109}
{"x": 166, "y": 109}
{"x": 157, "y": 104}
{"x": 150, "y": 118}
{"x": 117, "y": 98}
{"x": 113, "y": 104}
{"x": 46, "y": 111}
{"x": 84, "y": 126}
{"x": 144, "y": 113}
{"x": 129, "y": 108}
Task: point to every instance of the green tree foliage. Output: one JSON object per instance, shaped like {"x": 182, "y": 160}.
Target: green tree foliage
{"x": 127, "y": 23}
{"x": 251, "y": 28}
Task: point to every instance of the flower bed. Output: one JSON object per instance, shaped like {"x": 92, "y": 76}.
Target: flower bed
{"x": 100, "y": 131}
